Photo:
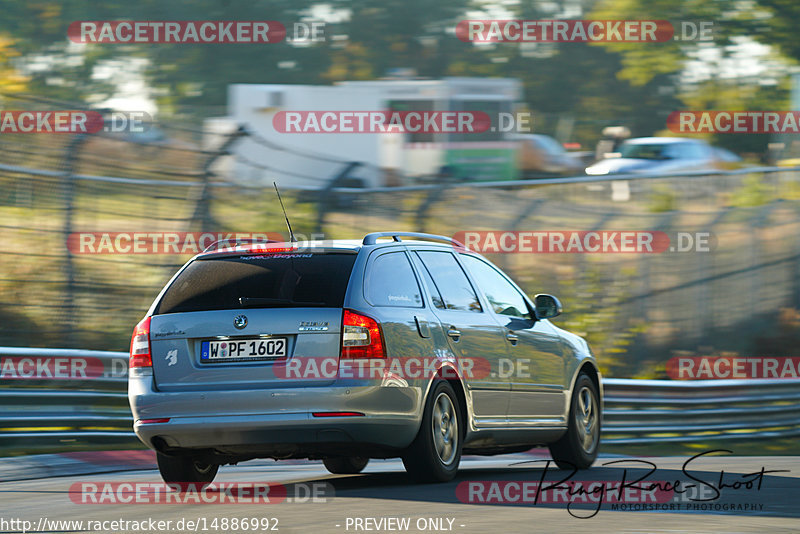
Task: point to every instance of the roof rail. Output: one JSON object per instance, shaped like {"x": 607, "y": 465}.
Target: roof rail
{"x": 371, "y": 239}
{"x": 236, "y": 242}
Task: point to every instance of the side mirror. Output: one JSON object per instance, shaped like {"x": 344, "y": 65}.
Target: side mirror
{"x": 547, "y": 306}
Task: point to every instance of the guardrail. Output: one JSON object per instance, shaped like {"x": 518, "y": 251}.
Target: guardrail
{"x": 652, "y": 411}
{"x": 69, "y": 410}
{"x": 81, "y": 400}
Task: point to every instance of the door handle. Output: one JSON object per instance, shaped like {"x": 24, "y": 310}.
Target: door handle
{"x": 454, "y": 333}
{"x": 422, "y": 326}
{"x": 512, "y": 337}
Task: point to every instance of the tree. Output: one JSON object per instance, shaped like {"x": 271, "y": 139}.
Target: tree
{"x": 11, "y": 81}
{"x": 735, "y": 25}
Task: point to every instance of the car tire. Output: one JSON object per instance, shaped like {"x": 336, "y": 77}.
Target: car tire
{"x": 577, "y": 448}
{"x": 345, "y": 465}
{"x": 185, "y": 468}
{"x": 435, "y": 453}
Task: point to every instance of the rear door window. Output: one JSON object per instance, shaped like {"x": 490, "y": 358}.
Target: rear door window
{"x": 436, "y": 296}
{"x": 451, "y": 281}
{"x": 391, "y": 282}
{"x": 261, "y": 281}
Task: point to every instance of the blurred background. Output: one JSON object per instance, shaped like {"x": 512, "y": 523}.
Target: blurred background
{"x": 208, "y": 158}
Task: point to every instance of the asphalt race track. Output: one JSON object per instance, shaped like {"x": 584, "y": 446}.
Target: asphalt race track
{"x": 383, "y": 500}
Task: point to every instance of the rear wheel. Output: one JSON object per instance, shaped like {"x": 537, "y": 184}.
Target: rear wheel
{"x": 185, "y": 468}
{"x": 578, "y": 447}
{"x": 345, "y": 465}
{"x": 436, "y": 451}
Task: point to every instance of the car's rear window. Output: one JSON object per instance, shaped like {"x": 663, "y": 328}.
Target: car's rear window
{"x": 263, "y": 281}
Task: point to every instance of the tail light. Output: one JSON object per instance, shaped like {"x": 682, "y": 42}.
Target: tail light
{"x": 271, "y": 248}
{"x": 140, "y": 345}
{"x": 361, "y": 337}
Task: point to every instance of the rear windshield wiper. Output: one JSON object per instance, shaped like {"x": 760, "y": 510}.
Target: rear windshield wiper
{"x": 265, "y": 301}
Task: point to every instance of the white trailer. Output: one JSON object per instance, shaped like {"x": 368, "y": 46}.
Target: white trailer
{"x": 311, "y": 160}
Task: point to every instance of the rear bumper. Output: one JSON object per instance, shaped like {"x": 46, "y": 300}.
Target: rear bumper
{"x": 276, "y": 421}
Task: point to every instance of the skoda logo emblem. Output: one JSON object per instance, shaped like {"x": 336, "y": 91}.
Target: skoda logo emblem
{"x": 240, "y": 321}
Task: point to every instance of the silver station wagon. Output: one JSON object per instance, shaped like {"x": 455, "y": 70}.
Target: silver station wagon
{"x": 349, "y": 350}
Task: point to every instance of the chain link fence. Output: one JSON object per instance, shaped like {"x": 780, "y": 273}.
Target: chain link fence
{"x": 637, "y": 309}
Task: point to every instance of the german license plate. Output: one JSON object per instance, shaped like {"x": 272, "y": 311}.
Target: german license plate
{"x": 243, "y": 350}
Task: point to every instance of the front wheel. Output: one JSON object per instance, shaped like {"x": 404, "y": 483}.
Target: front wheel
{"x": 578, "y": 447}
{"x": 435, "y": 453}
{"x": 347, "y": 465}
{"x": 185, "y": 468}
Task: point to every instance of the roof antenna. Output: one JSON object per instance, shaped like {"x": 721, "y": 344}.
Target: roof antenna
{"x": 291, "y": 234}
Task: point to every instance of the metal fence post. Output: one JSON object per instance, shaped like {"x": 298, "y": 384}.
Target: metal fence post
{"x": 324, "y": 200}
{"x": 708, "y": 315}
{"x": 68, "y": 197}
{"x": 202, "y": 209}
{"x": 433, "y": 197}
